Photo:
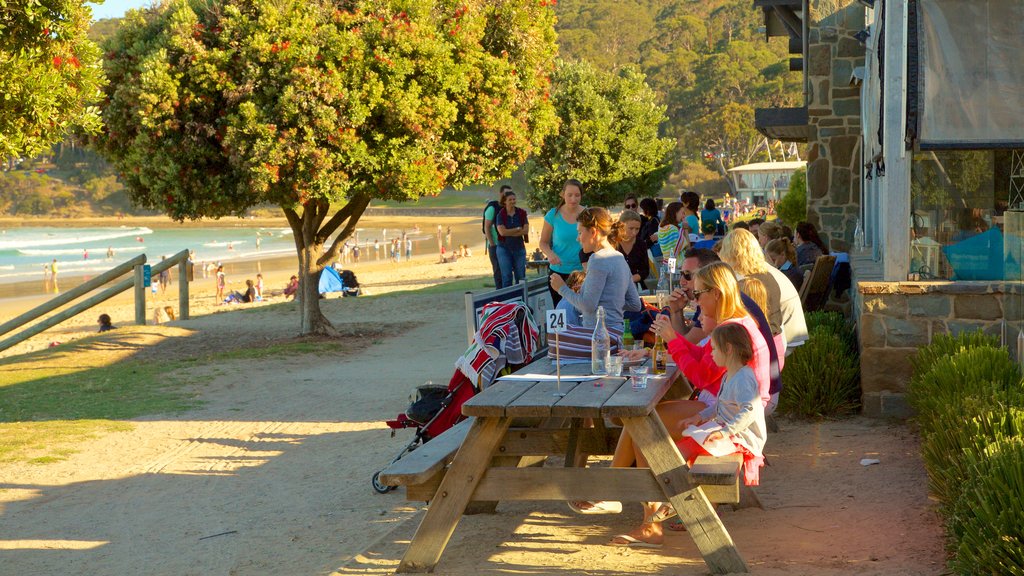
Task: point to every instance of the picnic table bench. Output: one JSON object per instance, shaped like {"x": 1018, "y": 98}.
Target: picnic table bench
{"x": 513, "y": 425}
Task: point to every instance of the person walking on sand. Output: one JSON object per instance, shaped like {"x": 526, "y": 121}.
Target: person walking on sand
{"x": 408, "y": 249}
{"x": 53, "y": 274}
{"x": 376, "y": 248}
{"x": 222, "y": 281}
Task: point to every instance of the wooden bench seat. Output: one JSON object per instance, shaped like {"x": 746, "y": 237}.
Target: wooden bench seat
{"x": 427, "y": 460}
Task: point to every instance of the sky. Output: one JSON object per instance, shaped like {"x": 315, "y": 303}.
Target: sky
{"x": 115, "y": 8}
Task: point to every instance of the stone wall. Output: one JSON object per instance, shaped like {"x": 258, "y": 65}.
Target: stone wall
{"x": 834, "y": 125}
{"x": 895, "y": 318}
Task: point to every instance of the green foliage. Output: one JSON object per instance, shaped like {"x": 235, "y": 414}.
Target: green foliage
{"x": 706, "y": 60}
{"x": 971, "y": 372}
{"x": 607, "y": 138}
{"x": 988, "y": 521}
{"x": 793, "y": 206}
{"x": 215, "y": 110}
{"x": 959, "y": 433}
{"x": 944, "y": 345}
{"x": 49, "y": 74}
{"x": 822, "y": 374}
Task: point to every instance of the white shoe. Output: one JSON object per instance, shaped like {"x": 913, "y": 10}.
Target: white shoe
{"x": 597, "y": 507}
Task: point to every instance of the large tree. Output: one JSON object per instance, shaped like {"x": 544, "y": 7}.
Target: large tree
{"x": 607, "y": 138}
{"x": 321, "y": 106}
{"x": 49, "y": 74}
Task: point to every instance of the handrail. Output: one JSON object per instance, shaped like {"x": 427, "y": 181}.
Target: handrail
{"x": 181, "y": 259}
{"x": 84, "y": 288}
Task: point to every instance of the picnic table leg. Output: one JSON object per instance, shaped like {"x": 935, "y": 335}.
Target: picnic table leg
{"x": 695, "y": 511}
{"x": 454, "y": 493}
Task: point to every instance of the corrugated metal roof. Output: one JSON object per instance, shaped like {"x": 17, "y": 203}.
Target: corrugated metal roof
{"x": 769, "y": 166}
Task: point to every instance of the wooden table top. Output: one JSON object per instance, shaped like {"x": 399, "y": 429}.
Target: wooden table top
{"x": 611, "y": 396}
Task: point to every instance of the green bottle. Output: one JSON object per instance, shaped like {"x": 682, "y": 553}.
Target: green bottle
{"x": 627, "y": 337}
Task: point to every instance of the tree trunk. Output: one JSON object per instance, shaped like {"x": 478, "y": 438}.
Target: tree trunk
{"x": 310, "y": 237}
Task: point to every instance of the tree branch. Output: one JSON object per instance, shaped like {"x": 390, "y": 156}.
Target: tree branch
{"x": 295, "y": 221}
{"x": 341, "y": 215}
{"x": 354, "y": 209}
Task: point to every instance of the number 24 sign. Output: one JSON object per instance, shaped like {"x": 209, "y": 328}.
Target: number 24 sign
{"x": 555, "y": 321}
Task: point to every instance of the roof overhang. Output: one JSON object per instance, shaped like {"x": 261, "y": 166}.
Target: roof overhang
{"x": 786, "y": 124}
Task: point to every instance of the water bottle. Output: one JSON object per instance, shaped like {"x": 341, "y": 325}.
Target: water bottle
{"x": 664, "y": 288}
{"x": 601, "y": 349}
{"x": 858, "y": 237}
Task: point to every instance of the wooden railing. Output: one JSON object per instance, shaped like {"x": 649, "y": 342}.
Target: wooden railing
{"x": 136, "y": 281}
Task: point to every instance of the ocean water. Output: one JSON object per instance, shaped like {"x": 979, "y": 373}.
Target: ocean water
{"x": 26, "y": 253}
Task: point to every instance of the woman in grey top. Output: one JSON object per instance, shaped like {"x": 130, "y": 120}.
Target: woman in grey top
{"x": 609, "y": 281}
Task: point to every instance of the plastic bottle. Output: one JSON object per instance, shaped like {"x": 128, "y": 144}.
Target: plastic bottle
{"x": 858, "y": 237}
{"x": 627, "y": 336}
{"x": 601, "y": 349}
{"x": 664, "y": 288}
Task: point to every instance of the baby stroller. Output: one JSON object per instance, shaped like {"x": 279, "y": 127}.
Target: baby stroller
{"x": 506, "y": 341}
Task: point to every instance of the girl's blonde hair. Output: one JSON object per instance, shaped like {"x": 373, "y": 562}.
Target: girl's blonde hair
{"x": 732, "y": 339}
{"x": 782, "y": 246}
{"x": 719, "y": 275}
{"x": 742, "y": 251}
{"x": 755, "y": 289}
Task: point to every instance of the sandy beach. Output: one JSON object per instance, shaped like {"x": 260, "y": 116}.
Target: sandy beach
{"x": 376, "y": 276}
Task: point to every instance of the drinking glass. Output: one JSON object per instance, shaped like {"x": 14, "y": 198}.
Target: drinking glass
{"x": 615, "y": 365}
{"x": 639, "y": 376}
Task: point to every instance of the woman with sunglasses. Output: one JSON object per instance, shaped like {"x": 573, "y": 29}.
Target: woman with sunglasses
{"x": 558, "y": 236}
{"x": 717, "y": 293}
{"x": 609, "y": 281}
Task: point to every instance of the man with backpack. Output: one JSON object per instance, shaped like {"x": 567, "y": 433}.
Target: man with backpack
{"x": 490, "y": 231}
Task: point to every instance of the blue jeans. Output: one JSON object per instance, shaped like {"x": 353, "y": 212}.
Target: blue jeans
{"x": 492, "y": 253}
{"x": 513, "y": 264}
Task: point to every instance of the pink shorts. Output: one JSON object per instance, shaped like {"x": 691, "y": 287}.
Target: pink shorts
{"x": 690, "y": 450}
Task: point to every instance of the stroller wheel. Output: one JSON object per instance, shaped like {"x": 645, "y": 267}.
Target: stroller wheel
{"x": 380, "y": 488}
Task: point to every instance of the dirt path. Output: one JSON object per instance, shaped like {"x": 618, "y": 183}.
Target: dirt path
{"x": 272, "y": 476}
{"x": 278, "y": 461}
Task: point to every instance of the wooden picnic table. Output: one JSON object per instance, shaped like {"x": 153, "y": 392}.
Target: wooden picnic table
{"x": 480, "y": 470}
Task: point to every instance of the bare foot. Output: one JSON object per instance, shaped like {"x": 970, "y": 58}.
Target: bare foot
{"x": 649, "y": 534}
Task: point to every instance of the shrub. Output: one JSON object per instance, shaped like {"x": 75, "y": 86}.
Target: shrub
{"x": 971, "y": 372}
{"x": 961, "y": 432}
{"x": 943, "y": 345}
{"x": 821, "y": 377}
{"x": 833, "y": 323}
{"x": 793, "y": 206}
{"x": 988, "y": 521}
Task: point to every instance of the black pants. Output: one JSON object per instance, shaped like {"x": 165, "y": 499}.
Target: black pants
{"x": 492, "y": 253}
{"x": 555, "y": 296}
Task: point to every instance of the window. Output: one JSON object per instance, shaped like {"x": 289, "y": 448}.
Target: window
{"x": 967, "y": 211}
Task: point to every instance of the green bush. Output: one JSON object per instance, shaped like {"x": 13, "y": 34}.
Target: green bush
{"x": 988, "y": 521}
{"x": 943, "y": 345}
{"x": 961, "y": 432}
{"x": 793, "y": 206}
{"x": 834, "y": 323}
{"x": 821, "y": 377}
{"x": 971, "y": 372}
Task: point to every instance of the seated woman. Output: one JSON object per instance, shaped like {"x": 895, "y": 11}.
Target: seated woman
{"x": 608, "y": 282}
{"x": 808, "y": 244}
{"x": 247, "y": 297}
{"x": 719, "y": 298}
{"x": 293, "y": 286}
{"x": 633, "y": 248}
{"x": 782, "y": 254}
